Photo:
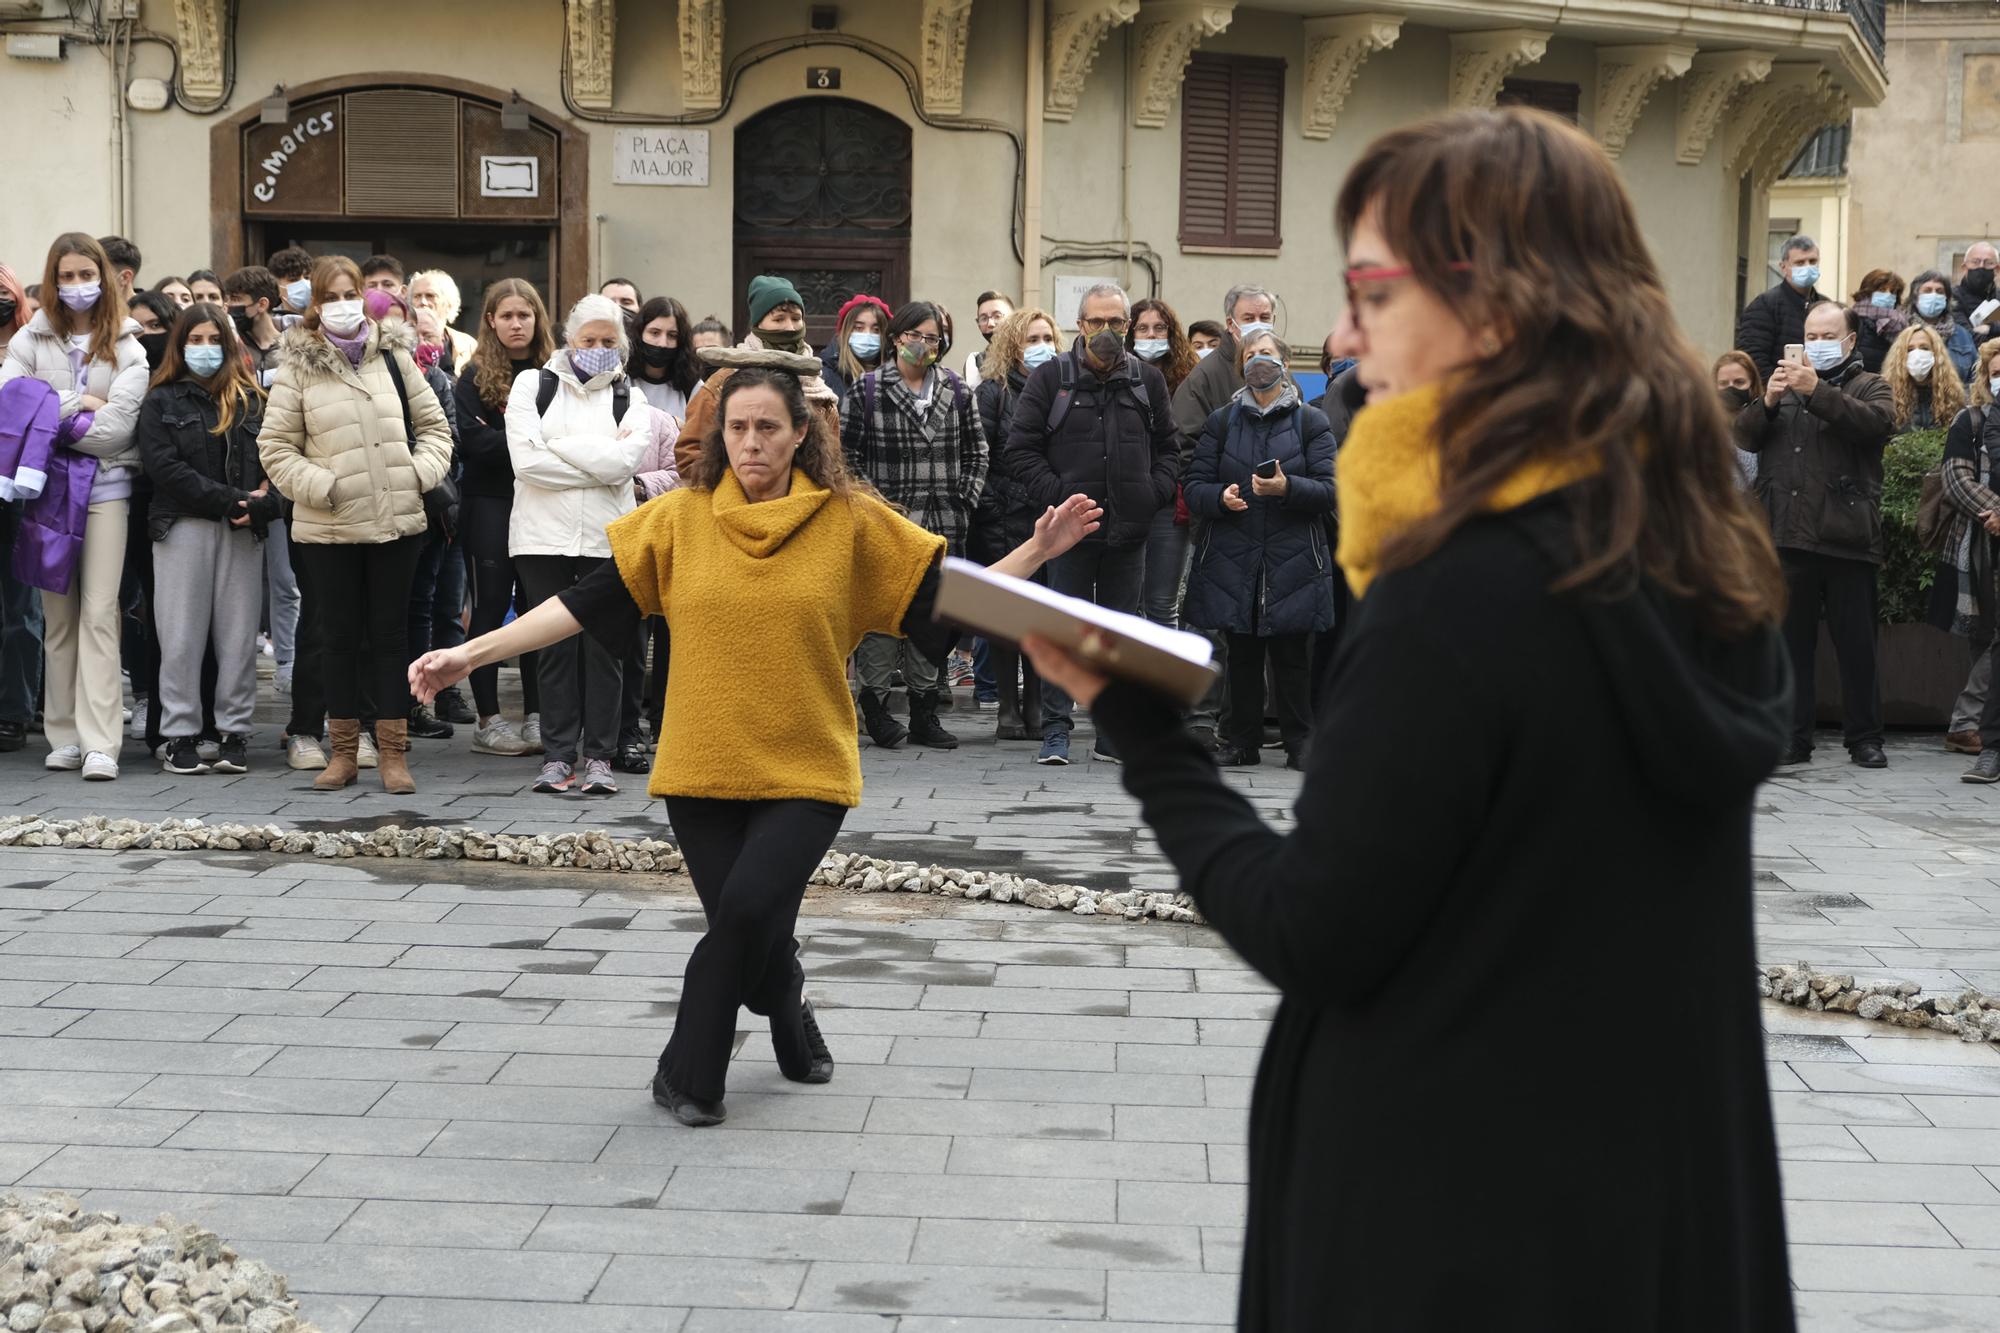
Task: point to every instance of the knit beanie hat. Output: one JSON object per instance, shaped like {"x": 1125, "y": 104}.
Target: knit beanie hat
{"x": 767, "y": 294}
{"x": 864, "y": 299}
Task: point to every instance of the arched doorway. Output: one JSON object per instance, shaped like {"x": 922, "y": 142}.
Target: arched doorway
{"x": 823, "y": 199}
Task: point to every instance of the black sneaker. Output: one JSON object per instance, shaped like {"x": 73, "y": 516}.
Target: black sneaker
{"x": 812, "y": 1063}
{"x": 182, "y": 758}
{"x": 425, "y": 723}
{"x": 234, "y": 756}
{"x": 1229, "y": 756}
{"x": 1868, "y": 754}
{"x": 13, "y": 735}
{"x": 1986, "y": 768}
{"x": 694, "y": 1114}
{"x": 451, "y": 707}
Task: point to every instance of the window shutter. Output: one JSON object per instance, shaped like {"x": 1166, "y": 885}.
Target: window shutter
{"x": 1558, "y": 99}
{"x": 1232, "y": 151}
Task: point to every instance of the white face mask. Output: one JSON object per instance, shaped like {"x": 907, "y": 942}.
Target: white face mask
{"x": 343, "y": 317}
{"x": 1921, "y": 363}
{"x": 1826, "y": 353}
{"x": 1993, "y": 386}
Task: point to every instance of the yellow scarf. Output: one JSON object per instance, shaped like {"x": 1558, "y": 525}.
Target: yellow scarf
{"x": 1388, "y": 479}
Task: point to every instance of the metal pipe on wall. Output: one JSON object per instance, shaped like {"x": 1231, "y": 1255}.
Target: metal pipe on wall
{"x": 1031, "y": 166}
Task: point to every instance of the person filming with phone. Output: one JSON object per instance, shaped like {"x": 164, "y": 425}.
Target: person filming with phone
{"x": 1262, "y": 476}
{"x": 1818, "y": 432}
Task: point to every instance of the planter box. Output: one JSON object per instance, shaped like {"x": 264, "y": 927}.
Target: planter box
{"x": 1922, "y": 670}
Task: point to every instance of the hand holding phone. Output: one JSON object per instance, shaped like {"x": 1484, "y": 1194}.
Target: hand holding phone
{"x": 1795, "y": 353}
{"x": 1267, "y": 469}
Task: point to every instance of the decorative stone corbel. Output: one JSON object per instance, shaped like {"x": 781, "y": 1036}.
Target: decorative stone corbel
{"x": 201, "y": 33}
{"x": 1481, "y": 62}
{"x": 1626, "y": 77}
{"x": 701, "y": 55}
{"x": 945, "y": 25}
{"x": 1075, "y": 29}
{"x": 1830, "y": 106}
{"x": 1335, "y": 50}
{"x": 593, "y": 37}
{"x": 1712, "y": 80}
{"x": 1168, "y": 34}
{"x": 1762, "y": 112}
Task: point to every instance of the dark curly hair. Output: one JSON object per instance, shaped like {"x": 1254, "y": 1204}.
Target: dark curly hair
{"x": 819, "y": 457}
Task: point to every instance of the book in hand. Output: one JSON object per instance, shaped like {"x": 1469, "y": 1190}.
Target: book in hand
{"x": 1985, "y": 311}
{"x": 1174, "y": 662}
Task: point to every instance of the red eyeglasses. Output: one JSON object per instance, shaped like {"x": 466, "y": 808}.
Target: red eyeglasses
{"x": 1356, "y": 276}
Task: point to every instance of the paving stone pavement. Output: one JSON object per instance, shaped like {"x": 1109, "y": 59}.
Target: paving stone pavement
{"x": 418, "y": 1088}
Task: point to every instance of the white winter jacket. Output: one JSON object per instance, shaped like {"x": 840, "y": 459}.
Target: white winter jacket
{"x": 39, "y": 352}
{"x": 573, "y": 464}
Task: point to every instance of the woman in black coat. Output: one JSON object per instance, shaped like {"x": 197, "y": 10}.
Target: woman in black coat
{"x": 1263, "y": 573}
{"x": 1537, "y": 758}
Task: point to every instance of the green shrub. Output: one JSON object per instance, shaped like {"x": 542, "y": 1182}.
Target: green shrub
{"x": 1907, "y": 569}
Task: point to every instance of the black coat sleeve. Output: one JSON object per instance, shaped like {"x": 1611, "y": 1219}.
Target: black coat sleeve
{"x": 1165, "y": 436}
{"x": 1027, "y": 454}
{"x": 1756, "y": 332}
{"x": 1754, "y": 427}
{"x": 854, "y": 428}
{"x": 482, "y": 435}
{"x": 191, "y": 490}
{"x": 1864, "y": 417}
{"x": 1313, "y": 493}
{"x": 603, "y": 605}
{"x": 1330, "y": 908}
{"x": 933, "y": 638}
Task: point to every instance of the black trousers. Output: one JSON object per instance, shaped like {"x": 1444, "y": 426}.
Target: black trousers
{"x": 482, "y": 530}
{"x": 1291, "y": 676}
{"x": 363, "y": 594}
{"x": 750, "y": 861}
{"x": 1843, "y": 593}
{"x": 581, "y": 679}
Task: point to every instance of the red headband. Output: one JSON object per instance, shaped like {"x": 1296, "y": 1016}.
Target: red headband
{"x": 875, "y": 301}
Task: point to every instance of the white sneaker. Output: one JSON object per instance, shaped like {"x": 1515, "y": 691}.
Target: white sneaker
{"x": 136, "y": 717}
{"x": 365, "y": 756}
{"x": 66, "y": 760}
{"x": 498, "y": 738}
{"x": 304, "y": 752}
{"x": 281, "y": 679}
{"x": 531, "y": 733}
{"x": 99, "y": 767}
{"x": 210, "y": 751}
{"x": 265, "y": 647}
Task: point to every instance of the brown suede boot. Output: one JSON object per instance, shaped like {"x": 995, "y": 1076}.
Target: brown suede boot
{"x": 392, "y": 742}
{"x": 345, "y": 736}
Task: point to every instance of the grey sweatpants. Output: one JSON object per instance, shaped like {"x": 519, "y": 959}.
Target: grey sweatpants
{"x": 208, "y": 582}
{"x": 1972, "y": 699}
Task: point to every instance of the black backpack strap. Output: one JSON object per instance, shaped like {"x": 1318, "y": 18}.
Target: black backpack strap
{"x": 868, "y": 385}
{"x": 1136, "y": 373}
{"x": 402, "y": 396}
{"x": 1065, "y": 391}
{"x": 545, "y": 391}
{"x": 621, "y": 401}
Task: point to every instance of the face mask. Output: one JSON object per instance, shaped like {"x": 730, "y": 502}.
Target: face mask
{"x": 156, "y": 347}
{"x": 1735, "y": 399}
{"x": 1245, "y": 332}
{"x": 7, "y": 308}
{"x": 1930, "y": 305}
{"x": 297, "y": 294}
{"x": 1882, "y": 300}
{"x": 1993, "y": 387}
{"x": 1150, "y": 349}
{"x": 343, "y": 317}
{"x": 1826, "y": 353}
{"x": 1804, "y": 275}
{"x": 916, "y": 354}
{"x": 1038, "y": 354}
{"x": 656, "y": 356}
{"x": 782, "y": 340}
{"x": 1201, "y": 353}
{"x": 1262, "y": 371}
{"x": 1921, "y": 363}
{"x": 80, "y": 295}
{"x": 590, "y": 362}
{"x": 203, "y": 360}
{"x": 428, "y": 355}
{"x": 865, "y": 346}
{"x": 1979, "y": 281}
{"x": 245, "y": 322}
{"x": 1105, "y": 347}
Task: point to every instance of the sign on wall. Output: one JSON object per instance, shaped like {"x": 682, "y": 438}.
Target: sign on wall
{"x": 295, "y": 167}
{"x": 659, "y": 155}
{"x": 510, "y": 177}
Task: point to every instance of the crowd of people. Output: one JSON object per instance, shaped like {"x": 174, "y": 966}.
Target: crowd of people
{"x": 1817, "y": 388}
{"x": 310, "y": 460}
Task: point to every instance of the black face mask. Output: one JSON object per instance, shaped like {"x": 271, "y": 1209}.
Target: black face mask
{"x": 1735, "y": 399}
{"x": 656, "y": 357}
{"x": 156, "y": 348}
{"x": 7, "y": 308}
{"x": 1106, "y": 348}
{"x": 1979, "y": 281}
{"x": 245, "y": 321}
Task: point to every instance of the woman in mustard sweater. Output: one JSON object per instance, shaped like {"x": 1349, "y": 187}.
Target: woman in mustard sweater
{"x": 771, "y": 553}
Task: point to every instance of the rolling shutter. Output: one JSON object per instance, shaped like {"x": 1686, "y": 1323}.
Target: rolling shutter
{"x": 402, "y": 153}
{"x": 1232, "y": 151}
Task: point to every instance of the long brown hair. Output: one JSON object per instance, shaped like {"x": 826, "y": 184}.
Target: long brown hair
{"x": 1180, "y": 359}
{"x": 234, "y": 386}
{"x": 1947, "y": 391}
{"x": 819, "y": 455}
{"x": 492, "y": 365}
{"x": 324, "y": 270}
{"x": 105, "y": 321}
{"x": 1982, "y": 389}
{"x": 1520, "y": 219}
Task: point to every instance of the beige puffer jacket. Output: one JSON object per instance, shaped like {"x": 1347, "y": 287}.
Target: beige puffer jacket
{"x": 333, "y": 441}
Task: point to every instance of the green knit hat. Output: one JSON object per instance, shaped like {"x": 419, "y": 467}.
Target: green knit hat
{"x": 767, "y": 294}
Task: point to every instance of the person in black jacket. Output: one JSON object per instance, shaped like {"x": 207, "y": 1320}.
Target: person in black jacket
{"x": 1777, "y": 317}
{"x": 1818, "y": 432}
{"x": 1263, "y": 571}
{"x": 197, "y": 435}
{"x": 1975, "y": 288}
{"x": 1096, "y": 421}
{"x": 1600, "y": 596}
{"x": 514, "y": 340}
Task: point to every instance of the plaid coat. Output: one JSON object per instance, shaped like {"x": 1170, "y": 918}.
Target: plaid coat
{"x": 931, "y": 464}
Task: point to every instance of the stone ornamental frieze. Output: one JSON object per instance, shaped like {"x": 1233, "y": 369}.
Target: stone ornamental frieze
{"x": 1765, "y": 113}
{"x": 1481, "y": 62}
{"x": 201, "y": 30}
{"x": 1167, "y": 36}
{"x": 701, "y": 55}
{"x": 946, "y": 23}
{"x": 1626, "y": 78}
{"x": 1713, "y": 80}
{"x": 1336, "y": 48}
{"x": 593, "y": 39}
{"x": 1075, "y": 29}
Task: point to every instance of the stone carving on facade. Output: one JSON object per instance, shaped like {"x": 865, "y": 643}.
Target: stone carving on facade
{"x": 1075, "y": 29}
{"x": 946, "y": 23}
{"x": 1335, "y": 51}
{"x": 1481, "y": 62}
{"x": 1168, "y": 33}
{"x": 1765, "y": 112}
{"x": 201, "y": 32}
{"x": 1626, "y": 77}
{"x": 701, "y": 55}
{"x": 1830, "y": 105}
{"x": 593, "y": 38}
{"x": 1713, "y": 80}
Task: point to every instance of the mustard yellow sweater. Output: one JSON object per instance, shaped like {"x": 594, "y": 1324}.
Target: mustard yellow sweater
{"x": 790, "y": 584}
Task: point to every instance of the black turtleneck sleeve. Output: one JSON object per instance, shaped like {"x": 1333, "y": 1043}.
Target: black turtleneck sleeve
{"x": 482, "y": 438}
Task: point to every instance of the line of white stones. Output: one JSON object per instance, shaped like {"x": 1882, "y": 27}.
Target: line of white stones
{"x": 1970, "y": 1015}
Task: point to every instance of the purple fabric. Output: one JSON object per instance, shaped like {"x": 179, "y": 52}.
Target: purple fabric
{"x": 49, "y": 547}
{"x": 74, "y": 427}
{"x": 29, "y": 412}
{"x": 353, "y": 347}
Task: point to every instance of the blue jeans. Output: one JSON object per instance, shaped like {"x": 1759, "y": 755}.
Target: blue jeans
{"x": 985, "y": 688}
{"x": 20, "y": 630}
{"x": 1110, "y": 577}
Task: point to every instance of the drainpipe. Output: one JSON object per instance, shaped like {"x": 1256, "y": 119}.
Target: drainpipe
{"x": 1125, "y": 163}
{"x": 1031, "y": 166}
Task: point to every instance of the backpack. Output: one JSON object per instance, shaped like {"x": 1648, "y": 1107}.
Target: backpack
{"x": 441, "y": 500}
{"x": 621, "y": 395}
{"x": 868, "y": 383}
{"x": 1933, "y": 516}
{"x": 1066, "y": 390}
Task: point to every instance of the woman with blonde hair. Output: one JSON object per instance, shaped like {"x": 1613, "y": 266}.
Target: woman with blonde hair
{"x": 859, "y": 344}
{"x": 1927, "y": 392}
{"x": 83, "y": 345}
{"x": 435, "y": 289}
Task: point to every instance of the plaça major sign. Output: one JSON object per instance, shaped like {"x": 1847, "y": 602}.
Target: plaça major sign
{"x": 659, "y": 155}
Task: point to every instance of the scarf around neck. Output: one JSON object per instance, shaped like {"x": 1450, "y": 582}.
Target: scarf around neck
{"x": 352, "y": 348}
{"x": 1388, "y": 479}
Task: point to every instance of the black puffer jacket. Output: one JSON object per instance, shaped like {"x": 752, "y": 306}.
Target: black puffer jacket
{"x": 1267, "y": 569}
{"x": 481, "y": 433}
{"x": 1005, "y": 518}
{"x": 1771, "y": 320}
{"x": 195, "y": 472}
{"x": 1819, "y": 463}
{"x": 1119, "y": 450}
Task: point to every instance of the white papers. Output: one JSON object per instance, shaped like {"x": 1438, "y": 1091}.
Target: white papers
{"x": 1985, "y": 311}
